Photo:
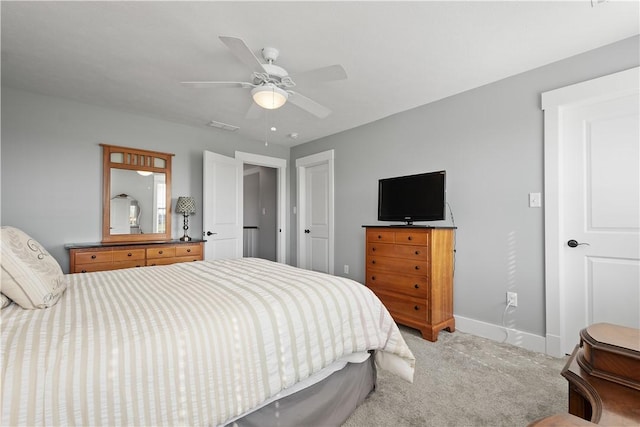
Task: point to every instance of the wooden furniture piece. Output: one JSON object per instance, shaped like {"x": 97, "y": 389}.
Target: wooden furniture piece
{"x": 411, "y": 270}
{"x": 145, "y": 177}
{"x": 604, "y": 379}
{"x": 88, "y": 257}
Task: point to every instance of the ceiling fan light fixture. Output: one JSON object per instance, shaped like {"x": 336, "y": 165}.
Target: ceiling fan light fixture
{"x": 269, "y": 96}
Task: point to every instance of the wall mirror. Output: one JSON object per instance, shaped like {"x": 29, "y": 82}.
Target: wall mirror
{"x": 136, "y": 200}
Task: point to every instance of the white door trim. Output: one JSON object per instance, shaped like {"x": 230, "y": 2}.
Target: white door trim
{"x": 553, "y": 103}
{"x": 281, "y": 166}
{"x": 301, "y": 165}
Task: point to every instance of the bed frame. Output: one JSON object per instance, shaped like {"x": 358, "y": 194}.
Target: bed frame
{"x": 327, "y": 403}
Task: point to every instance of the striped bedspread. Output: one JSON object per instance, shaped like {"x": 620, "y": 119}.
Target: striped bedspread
{"x": 185, "y": 344}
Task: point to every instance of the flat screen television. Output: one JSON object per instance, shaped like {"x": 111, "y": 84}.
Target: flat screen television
{"x": 410, "y": 198}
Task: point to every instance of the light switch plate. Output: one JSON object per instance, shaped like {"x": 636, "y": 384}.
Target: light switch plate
{"x": 535, "y": 200}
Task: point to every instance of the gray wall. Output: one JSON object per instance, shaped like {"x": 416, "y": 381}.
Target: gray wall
{"x": 490, "y": 142}
{"x": 268, "y": 221}
{"x": 260, "y": 193}
{"x": 52, "y": 164}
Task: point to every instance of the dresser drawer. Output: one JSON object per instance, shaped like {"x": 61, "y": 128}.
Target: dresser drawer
{"x": 414, "y": 286}
{"x": 167, "y": 252}
{"x": 128, "y": 254}
{"x": 398, "y": 265}
{"x": 411, "y": 237}
{"x": 380, "y": 236}
{"x": 398, "y": 251}
{"x": 86, "y": 268}
{"x": 174, "y": 260}
{"x": 93, "y": 257}
{"x": 188, "y": 250}
{"x": 405, "y": 307}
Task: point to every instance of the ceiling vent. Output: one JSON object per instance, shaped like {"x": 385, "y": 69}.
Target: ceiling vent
{"x": 223, "y": 126}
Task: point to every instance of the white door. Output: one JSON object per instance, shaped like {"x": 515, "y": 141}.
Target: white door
{"x": 598, "y": 206}
{"x": 222, "y": 206}
{"x": 315, "y": 216}
{"x": 316, "y": 238}
{"x": 602, "y": 194}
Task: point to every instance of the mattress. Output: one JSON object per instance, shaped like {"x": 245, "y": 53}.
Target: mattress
{"x": 194, "y": 343}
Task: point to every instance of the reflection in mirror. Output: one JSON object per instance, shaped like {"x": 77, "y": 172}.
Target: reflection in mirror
{"x": 125, "y": 215}
{"x": 138, "y": 202}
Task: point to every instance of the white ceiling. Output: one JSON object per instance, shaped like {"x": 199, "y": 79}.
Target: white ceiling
{"x": 398, "y": 55}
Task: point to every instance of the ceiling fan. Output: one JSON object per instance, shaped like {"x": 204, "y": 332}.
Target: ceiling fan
{"x": 270, "y": 84}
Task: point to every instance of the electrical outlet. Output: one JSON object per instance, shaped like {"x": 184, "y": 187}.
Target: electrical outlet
{"x": 512, "y": 299}
{"x": 346, "y": 269}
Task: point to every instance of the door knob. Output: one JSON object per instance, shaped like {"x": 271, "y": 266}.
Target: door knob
{"x": 574, "y": 243}
{"x": 307, "y": 231}
{"x": 210, "y": 233}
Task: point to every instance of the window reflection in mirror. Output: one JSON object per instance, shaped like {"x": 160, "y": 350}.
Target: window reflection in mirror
{"x": 138, "y": 202}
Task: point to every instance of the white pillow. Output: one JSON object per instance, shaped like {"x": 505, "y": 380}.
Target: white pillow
{"x": 4, "y": 301}
{"x": 31, "y": 277}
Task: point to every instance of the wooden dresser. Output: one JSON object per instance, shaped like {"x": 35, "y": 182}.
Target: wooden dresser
{"x": 411, "y": 270}
{"x": 99, "y": 256}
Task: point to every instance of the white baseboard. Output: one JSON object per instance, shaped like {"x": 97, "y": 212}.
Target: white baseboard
{"x": 493, "y": 332}
{"x": 554, "y": 347}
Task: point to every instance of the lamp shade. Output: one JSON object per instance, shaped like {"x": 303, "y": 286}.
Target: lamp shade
{"x": 186, "y": 205}
{"x": 269, "y": 96}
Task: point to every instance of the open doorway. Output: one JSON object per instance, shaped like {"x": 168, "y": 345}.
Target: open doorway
{"x": 260, "y": 212}
{"x": 280, "y": 209}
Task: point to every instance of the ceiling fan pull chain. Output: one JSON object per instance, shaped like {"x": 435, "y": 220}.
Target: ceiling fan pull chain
{"x": 266, "y": 126}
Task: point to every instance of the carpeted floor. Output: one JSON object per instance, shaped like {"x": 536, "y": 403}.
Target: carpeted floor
{"x": 464, "y": 380}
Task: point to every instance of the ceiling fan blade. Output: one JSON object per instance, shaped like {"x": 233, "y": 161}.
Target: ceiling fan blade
{"x": 217, "y": 85}
{"x": 308, "y": 105}
{"x": 240, "y": 49}
{"x": 324, "y": 74}
{"x": 253, "y": 112}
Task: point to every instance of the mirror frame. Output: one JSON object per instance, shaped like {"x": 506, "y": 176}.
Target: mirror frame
{"x": 136, "y": 160}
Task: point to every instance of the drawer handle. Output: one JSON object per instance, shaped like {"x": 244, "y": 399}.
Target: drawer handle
{"x": 416, "y": 308}
{"x": 160, "y": 252}
{"x": 373, "y": 249}
{"x": 409, "y": 238}
{"x": 83, "y": 271}
{"x": 417, "y": 252}
{"x": 129, "y": 254}
{"x": 373, "y": 262}
{"x": 188, "y": 250}
{"x": 379, "y": 236}
{"x": 373, "y": 277}
{"x": 93, "y": 257}
{"x": 416, "y": 286}
{"x": 417, "y": 267}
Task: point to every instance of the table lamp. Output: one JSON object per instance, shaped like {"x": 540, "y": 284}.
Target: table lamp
{"x": 186, "y": 206}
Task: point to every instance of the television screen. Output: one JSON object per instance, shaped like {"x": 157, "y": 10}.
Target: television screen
{"x": 411, "y": 198}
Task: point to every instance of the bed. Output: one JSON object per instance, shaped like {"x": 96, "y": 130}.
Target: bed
{"x": 231, "y": 342}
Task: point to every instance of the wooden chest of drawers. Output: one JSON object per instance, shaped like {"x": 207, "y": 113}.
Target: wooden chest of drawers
{"x": 98, "y": 257}
{"x": 411, "y": 270}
